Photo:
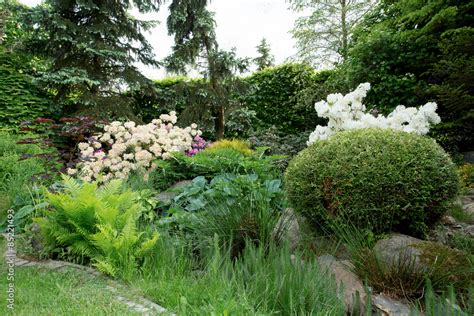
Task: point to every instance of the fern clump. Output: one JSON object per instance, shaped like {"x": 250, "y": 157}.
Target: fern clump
{"x": 99, "y": 223}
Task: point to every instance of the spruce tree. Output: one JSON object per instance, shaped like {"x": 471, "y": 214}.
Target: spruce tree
{"x": 193, "y": 28}
{"x": 265, "y": 58}
{"x": 93, "y": 47}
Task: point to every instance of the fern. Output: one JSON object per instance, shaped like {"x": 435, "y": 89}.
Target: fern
{"x": 99, "y": 223}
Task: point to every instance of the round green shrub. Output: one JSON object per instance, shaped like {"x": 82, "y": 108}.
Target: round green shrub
{"x": 376, "y": 179}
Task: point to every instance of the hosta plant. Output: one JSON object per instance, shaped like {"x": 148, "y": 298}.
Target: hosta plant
{"x": 99, "y": 223}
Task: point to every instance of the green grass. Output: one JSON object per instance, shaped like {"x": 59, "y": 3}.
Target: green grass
{"x": 263, "y": 281}
{"x": 460, "y": 215}
{"x": 16, "y": 175}
{"x": 39, "y": 291}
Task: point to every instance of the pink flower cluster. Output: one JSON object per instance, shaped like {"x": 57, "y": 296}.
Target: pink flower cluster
{"x": 198, "y": 144}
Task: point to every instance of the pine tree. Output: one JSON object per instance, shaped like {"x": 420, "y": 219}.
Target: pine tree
{"x": 93, "y": 47}
{"x": 265, "y": 59}
{"x": 193, "y": 28}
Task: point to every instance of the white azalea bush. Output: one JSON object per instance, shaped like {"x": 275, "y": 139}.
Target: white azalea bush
{"x": 347, "y": 112}
{"x": 125, "y": 147}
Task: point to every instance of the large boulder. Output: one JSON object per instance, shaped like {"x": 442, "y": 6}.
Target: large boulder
{"x": 288, "y": 229}
{"x": 400, "y": 249}
{"x": 348, "y": 283}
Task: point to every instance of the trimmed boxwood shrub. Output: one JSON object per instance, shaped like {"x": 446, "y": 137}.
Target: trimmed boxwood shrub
{"x": 376, "y": 179}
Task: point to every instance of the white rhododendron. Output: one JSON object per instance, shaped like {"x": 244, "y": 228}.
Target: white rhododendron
{"x": 124, "y": 147}
{"x": 347, "y": 112}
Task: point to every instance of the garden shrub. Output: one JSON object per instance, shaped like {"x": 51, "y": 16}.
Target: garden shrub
{"x": 239, "y": 145}
{"x": 377, "y": 179}
{"x": 99, "y": 223}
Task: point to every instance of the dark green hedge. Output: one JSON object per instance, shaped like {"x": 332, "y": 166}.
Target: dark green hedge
{"x": 282, "y": 96}
{"x": 20, "y": 98}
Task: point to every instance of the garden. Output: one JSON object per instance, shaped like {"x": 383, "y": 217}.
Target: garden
{"x": 338, "y": 183}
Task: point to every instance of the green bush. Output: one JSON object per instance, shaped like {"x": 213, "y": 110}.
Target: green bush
{"x": 378, "y": 179}
{"x": 97, "y": 223}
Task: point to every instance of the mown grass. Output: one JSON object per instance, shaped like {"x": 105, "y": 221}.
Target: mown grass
{"x": 39, "y": 291}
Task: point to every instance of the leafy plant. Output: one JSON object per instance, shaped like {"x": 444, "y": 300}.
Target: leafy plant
{"x": 239, "y": 145}
{"x": 63, "y": 136}
{"x": 378, "y": 179}
{"x": 235, "y": 207}
{"x": 209, "y": 163}
{"x": 99, "y": 223}
{"x": 16, "y": 175}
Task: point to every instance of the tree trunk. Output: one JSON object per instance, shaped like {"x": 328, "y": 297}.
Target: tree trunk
{"x": 345, "y": 31}
{"x": 219, "y": 122}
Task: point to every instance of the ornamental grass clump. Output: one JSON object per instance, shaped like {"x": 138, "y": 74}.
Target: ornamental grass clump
{"x": 377, "y": 179}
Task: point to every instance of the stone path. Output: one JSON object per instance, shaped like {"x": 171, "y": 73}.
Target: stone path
{"x": 139, "y": 304}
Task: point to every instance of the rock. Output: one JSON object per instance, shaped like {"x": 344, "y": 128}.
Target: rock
{"x": 354, "y": 291}
{"x": 448, "y": 220}
{"x": 422, "y": 255}
{"x": 469, "y": 209}
{"x": 399, "y": 248}
{"x": 288, "y": 229}
{"x": 53, "y": 264}
{"x": 469, "y": 230}
{"x": 388, "y": 306}
{"x": 180, "y": 184}
{"x": 166, "y": 197}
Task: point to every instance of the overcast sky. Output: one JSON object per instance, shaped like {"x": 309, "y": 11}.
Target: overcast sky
{"x": 240, "y": 23}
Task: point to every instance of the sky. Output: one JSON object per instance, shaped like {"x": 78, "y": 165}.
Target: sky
{"x": 240, "y": 24}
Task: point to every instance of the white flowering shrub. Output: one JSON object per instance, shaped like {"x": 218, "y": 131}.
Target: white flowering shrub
{"x": 348, "y": 112}
{"x": 124, "y": 147}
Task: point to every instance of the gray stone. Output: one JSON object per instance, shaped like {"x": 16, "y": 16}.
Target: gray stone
{"x": 389, "y": 307}
{"x": 20, "y": 262}
{"x": 53, "y": 264}
{"x": 469, "y": 209}
{"x": 469, "y": 230}
{"x": 288, "y": 229}
{"x": 166, "y": 197}
{"x": 181, "y": 184}
{"x": 448, "y": 220}
{"x": 351, "y": 285}
{"x": 398, "y": 248}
